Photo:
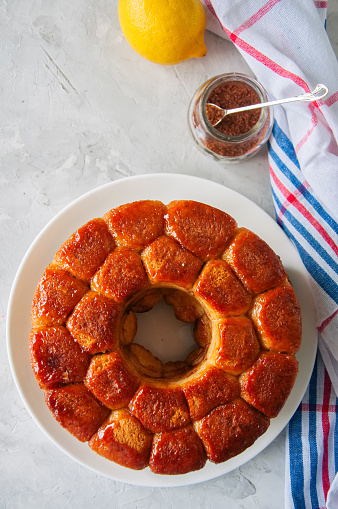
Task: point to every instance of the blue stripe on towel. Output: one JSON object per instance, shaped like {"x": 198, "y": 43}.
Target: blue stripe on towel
{"x": 313, "y": 436}
{"x": 296, "y": 460}
{"x": 285, "y": 143}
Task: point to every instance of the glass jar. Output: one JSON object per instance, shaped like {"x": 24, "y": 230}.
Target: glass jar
{"x": 236, "y": 138}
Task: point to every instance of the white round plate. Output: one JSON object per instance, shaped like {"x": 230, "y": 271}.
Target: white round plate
{"x": 164, "y": 187}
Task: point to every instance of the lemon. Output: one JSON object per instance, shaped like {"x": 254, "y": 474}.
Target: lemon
{"x": 164, "y": 31}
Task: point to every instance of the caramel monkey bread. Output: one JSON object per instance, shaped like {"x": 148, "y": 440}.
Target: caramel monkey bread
{"x": 130, "y": 407}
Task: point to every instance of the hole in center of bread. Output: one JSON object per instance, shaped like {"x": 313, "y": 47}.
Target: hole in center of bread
{"x": 167, "y": 338}
{"x": 165, "y": 334}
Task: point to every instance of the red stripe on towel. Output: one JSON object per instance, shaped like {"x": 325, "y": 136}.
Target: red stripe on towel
{"x": 314, "y": 120}
{"x": 257, "y": 16}
{"x": 326, "y": 322}
{"x": 331, "y": 100}
{"x": 310, "y": 407}
{"x": 326, "y": 432}
{"x": 321, "y": 5}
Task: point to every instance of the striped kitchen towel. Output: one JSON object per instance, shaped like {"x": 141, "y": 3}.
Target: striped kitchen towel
{"x": 312, "y": 445}
{"x": 286, "y": 46}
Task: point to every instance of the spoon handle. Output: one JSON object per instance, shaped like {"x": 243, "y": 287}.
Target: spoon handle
{"x": 319, "y": 92}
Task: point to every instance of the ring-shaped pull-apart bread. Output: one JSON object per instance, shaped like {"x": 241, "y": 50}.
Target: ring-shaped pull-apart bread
{"x": 115, "y": 394}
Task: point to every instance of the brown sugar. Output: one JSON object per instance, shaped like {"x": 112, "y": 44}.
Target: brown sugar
{"x": 229, "y": 95}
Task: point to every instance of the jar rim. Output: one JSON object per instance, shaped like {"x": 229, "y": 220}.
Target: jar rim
{"x": 257, "y": 87}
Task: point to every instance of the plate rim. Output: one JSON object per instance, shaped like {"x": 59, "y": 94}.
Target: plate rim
{"x": 171, "y": 180}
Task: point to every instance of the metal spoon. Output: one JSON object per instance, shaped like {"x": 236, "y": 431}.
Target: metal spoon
{"x": 319, "y": 92}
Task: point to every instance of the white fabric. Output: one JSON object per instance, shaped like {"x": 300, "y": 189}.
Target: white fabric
{"x": 273, "y": 36}
{"x": 332, "y": 497}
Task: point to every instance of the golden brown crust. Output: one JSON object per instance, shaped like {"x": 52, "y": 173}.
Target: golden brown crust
{"x": 128, "y": 328}
{"x": 167, "y": 262}
{"x": 209, "y": 389}
{"x": 136, "y": 224}
{"x": 56, "y": 358}
{"x": 111, "y": 381}
{"x": 121, "y": 275}
{"x": 144, "y": 361}
{"x": 202, "y": 229}
{"x": 55, "y": 296}
{"x": 77, "y": 410}
{"x": 221, "y": 291}
{"x": 124, "y": 440}
{"x": 277, "y": 317}
{"x": 268, "y": 383}
{"x": 202, "y": 331}
{"x": 85, "y": 251}
{"x": 94, "y": 323}
{"x": 238, "y": 346}
{"x": 160, "y": 409}
{"x": 254, "y": 262}
{"x": 177, "y": 452}
{"x": 196, "y": 356}
{"x": 147, "y": 300}
{"x": 186, "y": 307}
{"x": 230, "y": 429}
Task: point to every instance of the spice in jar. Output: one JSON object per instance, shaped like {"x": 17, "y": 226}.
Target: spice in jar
{"x": 238, "y": 135}
{"x": 229, "y": 95}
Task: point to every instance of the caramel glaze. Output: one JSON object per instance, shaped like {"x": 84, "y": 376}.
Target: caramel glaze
{"x": 167, "y": 262}
{"x": 130, "y": 407}
{"x": 276, "y": 316}
{"x": 56, "y": 358}
{"x": 76, "y": 409}
{"x": 229, "y": 429}
{"x": 202, "y": 229}
{"x": 86, "y": 249}
{"x": 255, "y": 263}
{"x": 110, "y": 381}
{"x": 121, "y": 275}
{"x": 136, "y": 224}
{"x": 55, "y": 296}
{"x": 221, "y": 290}
{"x": 160, "y": 409}
{"x": 124, "y": 440}
{"x": 238, "y": 346}
{"x": 208, "y": 389}
{"x": 268, "y": 383}
{"x": 178, "y": 452}
{"x": 94, "y": 323}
